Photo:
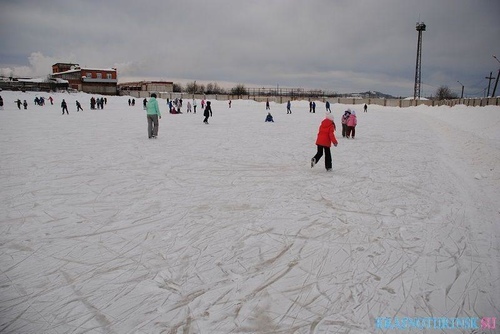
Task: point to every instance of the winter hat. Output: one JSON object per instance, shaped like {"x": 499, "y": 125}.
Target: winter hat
{"x": 329, "y": 116}
{"x": 153, "y": 95}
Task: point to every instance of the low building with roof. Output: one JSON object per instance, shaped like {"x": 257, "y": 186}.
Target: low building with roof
{"x": 88, "y": 80}
{"x": 140, "y": 89}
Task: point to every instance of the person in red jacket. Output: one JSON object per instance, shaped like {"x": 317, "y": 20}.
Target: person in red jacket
{"x": 326, "y": 136}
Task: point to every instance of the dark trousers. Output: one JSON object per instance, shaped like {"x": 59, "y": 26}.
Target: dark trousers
{"x": 328, "y": 156}
{"x": 206, "y": 119}
{"x": 65, "y": 109}
{"x": 351, "y": 131}
{"x": 152, "y": 125}
{"x": 344, "y": 129}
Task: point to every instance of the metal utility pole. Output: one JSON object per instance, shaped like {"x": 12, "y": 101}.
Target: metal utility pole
{"x": 462, "y": 96}
{"x": 418, "y": 68}
{"x": 498, "y": 76}
{"x": 491, "y": 77}
{"x": 496, "y": 84}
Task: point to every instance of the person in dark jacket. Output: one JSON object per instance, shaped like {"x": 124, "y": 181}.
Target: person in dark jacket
{"x": 269, "y": 117}
{"x": 207, "y": 113}
{"x": 326, "y": 136}
{"x": 64, "y": 107}
{"x": 345, "y": 117}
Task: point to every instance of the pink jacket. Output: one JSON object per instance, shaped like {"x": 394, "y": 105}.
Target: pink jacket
{"x": 352, "y": 121}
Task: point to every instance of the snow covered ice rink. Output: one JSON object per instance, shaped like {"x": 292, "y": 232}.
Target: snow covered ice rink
{"x": 225, "y": 228}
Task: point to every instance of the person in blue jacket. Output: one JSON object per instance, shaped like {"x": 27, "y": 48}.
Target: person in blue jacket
{"x": 269, "y": 117}
{"x": 153, "y": 113}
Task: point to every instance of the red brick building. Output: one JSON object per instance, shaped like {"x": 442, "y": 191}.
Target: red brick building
{"x": 89, "y": 80}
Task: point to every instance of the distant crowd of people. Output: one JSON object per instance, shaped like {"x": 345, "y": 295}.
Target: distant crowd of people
{"x": 95, "y": 103}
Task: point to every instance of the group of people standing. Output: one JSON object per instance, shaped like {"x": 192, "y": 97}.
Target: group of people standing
{"x": 349, "y": 122}
{"x": 99, "y": 102}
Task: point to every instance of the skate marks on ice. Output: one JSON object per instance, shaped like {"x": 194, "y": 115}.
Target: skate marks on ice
{"x": 131, "y": 240}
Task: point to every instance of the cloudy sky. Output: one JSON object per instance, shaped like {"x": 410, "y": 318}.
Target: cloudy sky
{"x": 334, "y": 45}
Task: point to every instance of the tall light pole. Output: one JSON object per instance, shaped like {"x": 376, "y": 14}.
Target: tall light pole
{"x": 418, "y": 68}
{"x": 462, "y": 96}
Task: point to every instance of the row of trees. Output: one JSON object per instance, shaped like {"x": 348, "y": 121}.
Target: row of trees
{"x": 442, "y": 93}
{"x": 210, "y": 88}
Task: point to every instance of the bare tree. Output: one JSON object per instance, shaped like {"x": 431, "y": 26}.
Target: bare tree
{"x": 194, "y": 88}
{"x": 239, "y": 90}
{"x": 214, "y": 88}
{"x": 444, "y": 93}
{"x": 177, "y": 87}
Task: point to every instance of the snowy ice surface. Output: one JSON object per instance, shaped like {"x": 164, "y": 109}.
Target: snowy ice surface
{"x": 225, "y": 227}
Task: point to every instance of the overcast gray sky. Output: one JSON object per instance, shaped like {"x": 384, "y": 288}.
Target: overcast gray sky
{"x": 335, "y": 45}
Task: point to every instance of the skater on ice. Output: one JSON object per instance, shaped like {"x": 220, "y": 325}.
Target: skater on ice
{"x": 153, "y": 113}
{"x": 208, "y": 112}
{"x": 326, "y": 136}
{"x": 269, "y": 117}
{"x": 345, "y": 117}
{"x": 352, "y": 121}
{"x": 64, "y": 107}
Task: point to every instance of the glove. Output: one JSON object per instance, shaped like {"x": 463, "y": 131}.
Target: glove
{"x": 335, "y": 145}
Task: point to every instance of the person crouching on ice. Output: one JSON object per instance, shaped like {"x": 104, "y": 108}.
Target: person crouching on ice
{"x": 269, "y": 117}
{"x": 326, "y": 136}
